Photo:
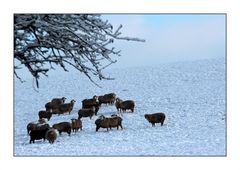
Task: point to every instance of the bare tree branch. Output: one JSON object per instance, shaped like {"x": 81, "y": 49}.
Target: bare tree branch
{"x": 78, "y": 40}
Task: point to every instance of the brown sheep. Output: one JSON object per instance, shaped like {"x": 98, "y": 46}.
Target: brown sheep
{"x": 58, "y": 101}
{"x": 115, "y": 121}
{"x": 107, "y": 98}
{"x": 54, "y": 104}
{"x": 102, "y": 122}
{"x": 45, "y": 114}
{"x": 76, "y": 125}
{"x": 155, "y": 118}
{"x": 86, "y": 112}
{"x": 51, "y": 135}
{"x": 125, "y": 105}
{"x": 63, "y": 127}
{"x": 118, "y": 104}
{"x": 88, "y": 103}
{"x": 105, "y": 122}
{"x": 66, "y": 107}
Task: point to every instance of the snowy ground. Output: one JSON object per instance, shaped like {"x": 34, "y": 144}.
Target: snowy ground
{"x": 191, "y": 94}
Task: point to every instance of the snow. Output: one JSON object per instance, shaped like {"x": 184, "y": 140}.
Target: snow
{"x": 191, "y": 94}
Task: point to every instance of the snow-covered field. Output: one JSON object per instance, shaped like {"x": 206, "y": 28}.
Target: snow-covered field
{"x": 191, "y": 94}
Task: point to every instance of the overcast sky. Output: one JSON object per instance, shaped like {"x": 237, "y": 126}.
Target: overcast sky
{"x": 171, "y": 37}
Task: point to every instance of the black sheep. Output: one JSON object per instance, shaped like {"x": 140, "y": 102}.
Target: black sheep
{"x": 155, "y": 118}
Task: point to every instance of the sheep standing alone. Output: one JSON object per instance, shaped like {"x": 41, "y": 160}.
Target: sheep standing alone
{"x": 155, "y": 118}
{"x": 86, "y": 113}
{"x": 76, "y": 125}
{"x": 63, "y": 127}
{"x": 51, "y": 135}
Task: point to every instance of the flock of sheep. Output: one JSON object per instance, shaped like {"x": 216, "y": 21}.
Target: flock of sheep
{"x": 90, "y": 107}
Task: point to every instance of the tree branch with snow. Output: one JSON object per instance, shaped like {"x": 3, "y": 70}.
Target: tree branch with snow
{"x": 77, "y": 40}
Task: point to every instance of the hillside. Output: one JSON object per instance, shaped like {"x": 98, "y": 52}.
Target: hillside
{"x": 191, "y": 94}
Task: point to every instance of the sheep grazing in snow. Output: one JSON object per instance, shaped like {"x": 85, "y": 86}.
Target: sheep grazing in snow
{"x": 76, "y": 125}
{"x": 66, "y": 107}
{"x": 38, "y": 133}
{"x": 104, "y": 122}
{"x": 45, "y": 114}
{"x": 86, "y": 112}
{"x": 54, "y": 104}
{"x": 155, "y": 118}
{"x": 107, "y": 98}
{"x": 51, "y": 135}
{"x": 63, "y": 127}
{"x": 124, "y": 105}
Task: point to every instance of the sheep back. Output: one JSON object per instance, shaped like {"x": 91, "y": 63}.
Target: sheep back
{"x": 155, "y": 118}
{"x": 115, "y": 121}
{"x": 102, "y": 123}
{"x": 51, "y": 135}
{"x": 127, "y": 105}
{"x": 88, "y": 112}
{"x": 45, "y": 114}
{"x": 36, "y": 126}
{"x": 63, "y": 127}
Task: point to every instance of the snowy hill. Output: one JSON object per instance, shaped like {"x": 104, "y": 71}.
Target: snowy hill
{"x": 191, "y": 94}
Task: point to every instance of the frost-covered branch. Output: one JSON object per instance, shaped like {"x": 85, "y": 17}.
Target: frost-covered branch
{"x": 81, "y": 41}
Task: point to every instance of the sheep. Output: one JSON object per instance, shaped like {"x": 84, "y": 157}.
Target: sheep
{"x": 45, "y": 114}
{"x": 86, "y": 113}
{"x": 105, "y": 122}
{"x": 54, "y": 103}
{"x": 107, "y": 98}
{"x": 76, "y": 125}
{"x": 35, "y": 125}
{"x": 58, "y": 101}
{"x": 115, "y": 121}
{"x": 102, "y": 122}
{"x": 66, "y": 107}
{"x": 63, "y": 127}
{"x": 125, "y": 105}
{"x": 88, "y": 103}
{"x": 38, "y": 133}
{"x": 155, "y": 118}
{"x": 118, "y": 104}
{"x": 51, "y": 135}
